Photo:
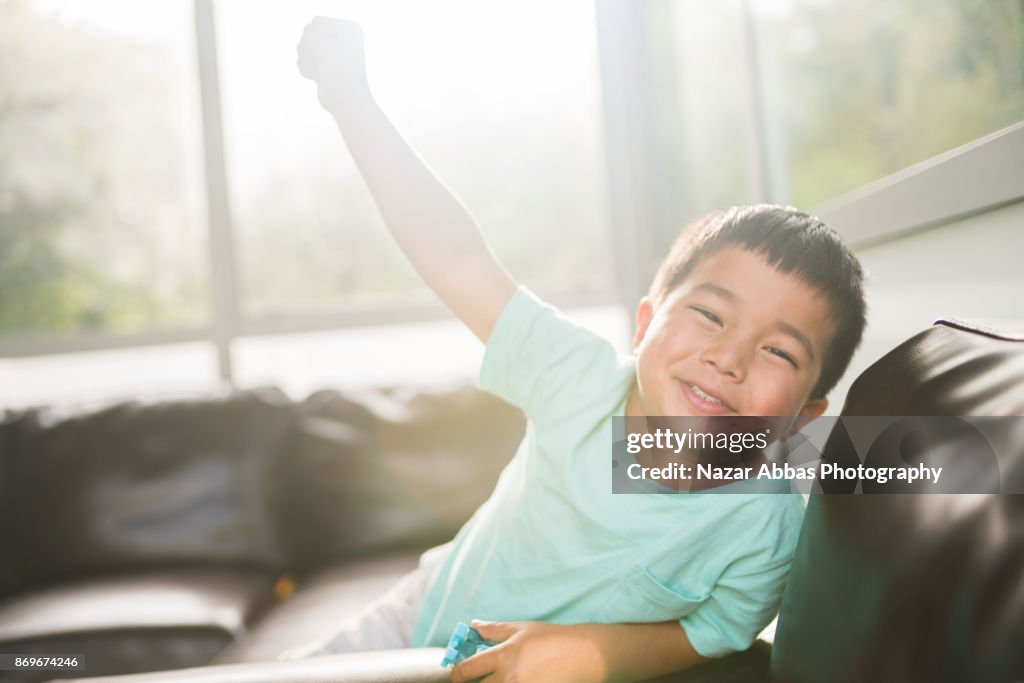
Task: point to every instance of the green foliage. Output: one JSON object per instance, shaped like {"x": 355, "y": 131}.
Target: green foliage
{"x": 874, "y": 86}
{"x": 91, "y": 181}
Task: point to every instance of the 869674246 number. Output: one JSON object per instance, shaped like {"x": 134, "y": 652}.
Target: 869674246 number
{"x": 40, "y": 662}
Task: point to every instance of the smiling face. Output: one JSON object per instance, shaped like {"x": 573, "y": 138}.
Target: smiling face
{"x": 736, "y": 337}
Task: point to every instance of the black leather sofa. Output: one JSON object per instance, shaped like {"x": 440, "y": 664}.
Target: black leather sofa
{"x": 167, "y": 536}
{"x": 227, "y": 529}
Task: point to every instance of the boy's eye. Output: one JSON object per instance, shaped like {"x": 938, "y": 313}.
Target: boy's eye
{"x": 775, "y": 351}
{"x": 708, "y": 314}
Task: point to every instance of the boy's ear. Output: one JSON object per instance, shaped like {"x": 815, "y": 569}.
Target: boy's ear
{"x": 644, "y": 313}
{"x": 810, "y": 410}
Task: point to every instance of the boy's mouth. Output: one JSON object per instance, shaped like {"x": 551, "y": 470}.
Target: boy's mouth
{"x": 704, "y": 400}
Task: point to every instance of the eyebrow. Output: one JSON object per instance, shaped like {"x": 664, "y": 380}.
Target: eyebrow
{"x": 717, "y": 289}
{"x": 782, "y": 326}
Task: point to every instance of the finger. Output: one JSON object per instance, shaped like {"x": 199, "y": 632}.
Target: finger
{"x": 338, "y": 28}
{"x": 314, "y": 37}
{"x": 496, "y": 630}
{"x": 306, "y": 65}
{"x": 316, "y": 34}
{"x": 312, "y": 34}
{"x": 308, "y": 53}
{"x": 479, "y": 665}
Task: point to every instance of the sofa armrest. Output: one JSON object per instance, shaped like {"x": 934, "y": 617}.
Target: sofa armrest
{"x": 131, "y": 623}
{"x": 749, "y": 666}
{"x": 221, "y": 599}
{"x": 388, "y": 666}
{"x": 420, "y": 665}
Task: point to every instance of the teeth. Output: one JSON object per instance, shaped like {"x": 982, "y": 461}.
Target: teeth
{"x": 704, "y": 396}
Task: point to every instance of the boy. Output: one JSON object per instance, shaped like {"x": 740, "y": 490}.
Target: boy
{"x": 756, "y": 312}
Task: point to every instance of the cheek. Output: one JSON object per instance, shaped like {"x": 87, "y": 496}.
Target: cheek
{"x": 654, "y": 357}
{"x": 776, "y": 394}
{"x": 647, "y": 368}
{"x": 671, "y": 340}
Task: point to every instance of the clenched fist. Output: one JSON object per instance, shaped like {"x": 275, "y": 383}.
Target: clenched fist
{"x": 333, "y": 55}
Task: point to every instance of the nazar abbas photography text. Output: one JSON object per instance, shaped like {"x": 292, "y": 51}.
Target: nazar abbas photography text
{"x": 719, "y": 444}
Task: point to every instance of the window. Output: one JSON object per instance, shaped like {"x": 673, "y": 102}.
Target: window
{"x": 502, "y": 100}
{"x": 104, "y": 241}
{"x": 863, "y": 88}
{"x": 101, "y": 223}
{"x": 712, "y": 132}
{"x": 823, "y": 96}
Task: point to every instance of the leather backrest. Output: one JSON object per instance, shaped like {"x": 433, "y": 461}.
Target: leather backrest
{"x": 917, "y": 587}
{"x": 388, "y": 469}
{"x": 249, "y": 478}
{"x": 956, "y": 367}
{"x": 139, "y": 485}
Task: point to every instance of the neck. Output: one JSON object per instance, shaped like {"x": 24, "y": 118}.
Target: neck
{"x": 633, "y": 407}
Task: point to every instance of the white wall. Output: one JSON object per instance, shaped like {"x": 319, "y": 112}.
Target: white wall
{"x": 972, "y": 268}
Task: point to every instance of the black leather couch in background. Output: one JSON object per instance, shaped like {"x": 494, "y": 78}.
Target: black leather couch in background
{"x": 202, "y": 507}
{"x": 168, "y": 535}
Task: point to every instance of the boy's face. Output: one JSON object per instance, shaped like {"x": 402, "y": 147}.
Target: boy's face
{"x": 737, "y": 337}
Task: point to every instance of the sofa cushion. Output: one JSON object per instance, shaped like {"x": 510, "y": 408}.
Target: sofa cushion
{"x": 392, "y": 469}
{"x": 319, "y": 605}
{"x": 917, "y": 587}
{"x": 136, "y": 622}
{"x": 139, "y": 485}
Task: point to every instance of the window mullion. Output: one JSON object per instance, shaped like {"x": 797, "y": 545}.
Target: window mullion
{"x": 223, "y": 271}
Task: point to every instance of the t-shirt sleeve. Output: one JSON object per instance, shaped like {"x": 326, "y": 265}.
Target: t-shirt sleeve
{"x": 543, "y": 363}
{"x": 745, "y": 599}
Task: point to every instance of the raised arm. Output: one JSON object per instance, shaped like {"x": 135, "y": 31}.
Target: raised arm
{"x": 429, "y": 223}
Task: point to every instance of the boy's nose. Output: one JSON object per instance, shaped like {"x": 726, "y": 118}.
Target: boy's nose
{"x": 727, "y": 359}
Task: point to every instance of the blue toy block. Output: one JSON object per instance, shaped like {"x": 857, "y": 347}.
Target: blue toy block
{"x": 465, "y": 642}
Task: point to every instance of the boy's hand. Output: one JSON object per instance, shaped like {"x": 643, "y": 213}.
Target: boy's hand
{"x": 533, "y": 651}
{"x": 333, "y": 55}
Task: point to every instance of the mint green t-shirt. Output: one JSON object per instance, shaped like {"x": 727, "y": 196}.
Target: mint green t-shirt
{"x": 553, "y": 543}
